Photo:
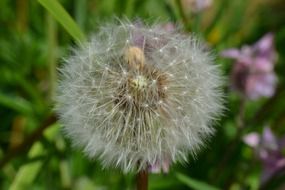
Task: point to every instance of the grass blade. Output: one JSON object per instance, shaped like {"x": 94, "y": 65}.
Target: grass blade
{"x": 194, "y": 184}
{"x": 61, "y": 15}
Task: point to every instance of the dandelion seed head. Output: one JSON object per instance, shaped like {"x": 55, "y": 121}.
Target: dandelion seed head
{"x": 137, "y": 95}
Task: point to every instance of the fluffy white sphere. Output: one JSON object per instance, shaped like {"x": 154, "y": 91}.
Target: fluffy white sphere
{"x": 135, "y": 96}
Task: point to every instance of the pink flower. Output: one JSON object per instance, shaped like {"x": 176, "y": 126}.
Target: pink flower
{"x": 253, "y": 72}
{"x": 160, "y": 167}
{"x": 269, "y": 150}
{"x": 139, "y": 40}
{"x": 196, "y": 5}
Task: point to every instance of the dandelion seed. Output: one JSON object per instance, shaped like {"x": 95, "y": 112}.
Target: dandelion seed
{"x": 132, "y": 104}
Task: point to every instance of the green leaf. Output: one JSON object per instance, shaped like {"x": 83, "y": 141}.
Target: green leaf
{"x": 28, "y": 172}
{"x": 193, "y": 183}
{"x": 84, "y": 183}
{"x": 159, "y": 182}
{"x": 16, "y": 103}
{"x": 61, "y": 15}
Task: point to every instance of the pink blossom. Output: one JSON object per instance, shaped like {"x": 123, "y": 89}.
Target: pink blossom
{"x": 253, "y": 72}
{"x": 269, "y": 150}
{"x": 160, "y": 167}
{"x": 196, "y": 5}
{"x": 139, "y": 40}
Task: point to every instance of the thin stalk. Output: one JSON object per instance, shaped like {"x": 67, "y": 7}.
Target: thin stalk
{"x": 232, "y": 147}
{"x": 218, "y": 15}
{"x": 22, "y": 15}
{"x": 142, "y": 180}
{"x": 185, "y": 20}
{"x": 52, "y": 51}
{"x": 81, "y": 13}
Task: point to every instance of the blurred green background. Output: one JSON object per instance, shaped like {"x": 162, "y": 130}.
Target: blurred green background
{"x": 35, "y": 35}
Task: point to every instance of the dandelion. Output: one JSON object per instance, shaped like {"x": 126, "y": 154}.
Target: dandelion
{"x": 136, "y": 96}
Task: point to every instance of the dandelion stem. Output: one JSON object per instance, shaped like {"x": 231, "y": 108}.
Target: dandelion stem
{"x": 142, "y": 180}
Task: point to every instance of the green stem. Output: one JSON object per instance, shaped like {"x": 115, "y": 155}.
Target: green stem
{"x": 80, "y": 12}
{"x": 22, "y": 14}
{"x": 32, "y": 92}
{"x": 52, "y": 49}
{"x": 222, "y": 7}
{"x": 184, "y": 18}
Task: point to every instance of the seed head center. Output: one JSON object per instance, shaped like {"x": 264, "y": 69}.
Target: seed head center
{"x": 144, "y": 85}
{"x": 139, "y": 82}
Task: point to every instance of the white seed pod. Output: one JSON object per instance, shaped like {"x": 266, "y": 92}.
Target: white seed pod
{"x": 135, "y": 96}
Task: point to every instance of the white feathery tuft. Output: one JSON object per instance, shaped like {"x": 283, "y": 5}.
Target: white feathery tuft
{"x": 135, "y": 96}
